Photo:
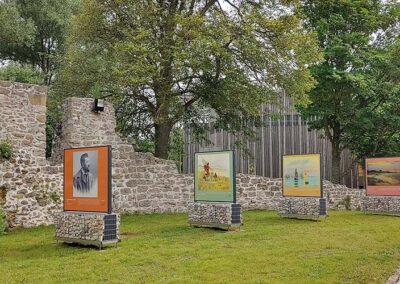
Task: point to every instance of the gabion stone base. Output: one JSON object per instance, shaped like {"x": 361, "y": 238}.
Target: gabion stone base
{"x": 303, "y": 207}
{"x": 87, "y": 228}
{"x": 384, "y": 205}
{"x": 227, "y": 216}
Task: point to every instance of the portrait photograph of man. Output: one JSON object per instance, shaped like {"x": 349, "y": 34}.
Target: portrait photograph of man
{"x": 85, "y": 169}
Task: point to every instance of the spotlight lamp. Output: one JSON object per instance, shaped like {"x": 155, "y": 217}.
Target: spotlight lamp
{"x": 98, "y": 105}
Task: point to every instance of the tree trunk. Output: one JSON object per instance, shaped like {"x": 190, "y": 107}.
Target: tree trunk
{"x": 336, "y": 176}
{"x": 162, "y": 133}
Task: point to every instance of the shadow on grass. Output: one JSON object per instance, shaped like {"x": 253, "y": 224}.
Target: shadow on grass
{"x": 273, "y": 219}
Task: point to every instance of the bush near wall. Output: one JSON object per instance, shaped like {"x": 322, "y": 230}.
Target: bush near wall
{"x": 2, "y": 222}
{"x": 5, "y": 150}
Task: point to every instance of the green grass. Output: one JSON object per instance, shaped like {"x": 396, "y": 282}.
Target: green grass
{"x": 347, "y": 247}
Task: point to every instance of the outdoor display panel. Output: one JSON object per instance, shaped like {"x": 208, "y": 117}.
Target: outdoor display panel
{"x": 87, "y": 179}
{"x": 301, "y": 175}
{"x": 214, "y": 176}
{"x": 383, "y": 176}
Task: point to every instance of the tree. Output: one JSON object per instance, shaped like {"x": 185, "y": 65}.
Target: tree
{"x": 176, "y": 147}
{"x": 33, "y": 32}
{"x": 348, "y": 32}
{"x": 16, "y": 72}
{"x": 166, "y": 61}
{"x": 32, "y": 40}
{"x": 377, "y": 124}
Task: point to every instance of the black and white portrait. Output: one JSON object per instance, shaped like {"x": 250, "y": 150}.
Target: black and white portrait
{"x": 85, "y": 174}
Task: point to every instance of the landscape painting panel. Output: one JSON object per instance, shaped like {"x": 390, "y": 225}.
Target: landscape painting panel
{"x": 302, "y": 175}
{"x": 383, "y": 176}
{"x": 214, "y": 176}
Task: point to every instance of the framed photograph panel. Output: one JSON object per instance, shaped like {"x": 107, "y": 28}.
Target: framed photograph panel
{"x": 382, "y": 176}
{"x": 87, "y": 179}
{"x": 214, "y": 176}
{"x": 301, "y": 175}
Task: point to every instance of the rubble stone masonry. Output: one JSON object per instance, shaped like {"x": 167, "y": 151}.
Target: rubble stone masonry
{"x": 31, "y": 187}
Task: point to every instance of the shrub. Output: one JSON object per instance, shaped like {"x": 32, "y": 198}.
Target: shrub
{"x": 5, "y": 150}
{"x": 55, "y": 197}
{"x": 21, "y": 73}
{"x": 347, "y": 202}
{"x": 2, "y": 222}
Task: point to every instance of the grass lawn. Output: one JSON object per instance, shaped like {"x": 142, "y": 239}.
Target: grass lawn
{"x": 347, "y": 247}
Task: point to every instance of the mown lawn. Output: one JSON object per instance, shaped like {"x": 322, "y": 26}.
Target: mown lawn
{"x": 347, "y": 247}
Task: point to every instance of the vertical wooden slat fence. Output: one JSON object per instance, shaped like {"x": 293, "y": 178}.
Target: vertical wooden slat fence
{"x": 288, "y": 135}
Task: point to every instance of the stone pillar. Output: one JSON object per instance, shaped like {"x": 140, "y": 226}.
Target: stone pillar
{"x": 303, "y": 207}
{"x": 227, "y": 216}
{"x": 81, "y": 127}
{"x": 23, "y": 120}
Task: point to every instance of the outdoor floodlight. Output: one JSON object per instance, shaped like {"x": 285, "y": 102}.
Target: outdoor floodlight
{"x": 98, "y": 105}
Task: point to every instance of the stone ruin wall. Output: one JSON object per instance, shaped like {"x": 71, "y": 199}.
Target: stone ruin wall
{"x": 257, "y": 192}
{"x": 141, "y": 182}
{"x": 32, "y": 185}
{"x": 29, "y": 186}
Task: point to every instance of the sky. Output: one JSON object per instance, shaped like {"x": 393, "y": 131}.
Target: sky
{"x": 216, "y": 160}
{"x": 384, "y": 166}
{"x": 311, "y": 163}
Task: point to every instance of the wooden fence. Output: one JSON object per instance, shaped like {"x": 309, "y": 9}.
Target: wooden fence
{"x": 288, "y": 135}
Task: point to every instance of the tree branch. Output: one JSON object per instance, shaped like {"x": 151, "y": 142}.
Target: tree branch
{"x": 233, "y": 5}
{"x": 191, "y": 7}
{"x": 208, "y": 5}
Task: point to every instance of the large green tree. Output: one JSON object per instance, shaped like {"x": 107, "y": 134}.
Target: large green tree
{"x": 376, "y": 130}
{"x": 33, "y": 32}
{"x": 350, "y": 32}
{"x": 169, "y": 61}
{"x": 32, "y": 41}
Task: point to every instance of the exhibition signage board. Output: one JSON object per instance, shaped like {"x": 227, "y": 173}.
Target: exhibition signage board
{"x": 383, "y": 176}
{"x": 301, "y": 175}
{"x": 214, "y": 176}
{"x": 87, "y": 179}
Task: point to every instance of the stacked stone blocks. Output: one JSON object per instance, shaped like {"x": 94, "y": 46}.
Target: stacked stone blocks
{"x": 215, "y": 214}
{"x": 87, "y": 228}
{"x": 31, "y": 187}
{"x": 388, "y": 205}
{"x": 303, "y": 207}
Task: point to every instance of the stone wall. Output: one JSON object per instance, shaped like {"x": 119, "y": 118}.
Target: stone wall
{"x": 341, "y": 197}
{"x": 23, "y": 119}
{"x": 31, "y": 186}
{"x": 141, "y": 182}
{"x": 257, "y": 192}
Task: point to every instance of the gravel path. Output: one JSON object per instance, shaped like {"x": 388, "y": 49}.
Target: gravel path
{"x": 395, "y": 278}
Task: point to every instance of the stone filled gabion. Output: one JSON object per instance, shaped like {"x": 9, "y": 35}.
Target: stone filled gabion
{"x": 381, "y": 204}
{"x": 302, "y": 206}
{"x": 211, "y": 213}
{"x": 81, "y": 225}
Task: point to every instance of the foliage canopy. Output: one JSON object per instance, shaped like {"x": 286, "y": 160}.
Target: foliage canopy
{"x": 376, "y": 126}
{"x": 350, "y": 89}
{"x": 21, "y": 73}
{"x": 166, "y": 62}
{"x": 33, "y": 32}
